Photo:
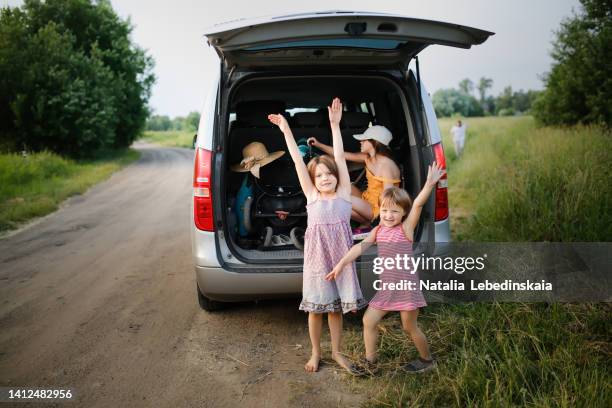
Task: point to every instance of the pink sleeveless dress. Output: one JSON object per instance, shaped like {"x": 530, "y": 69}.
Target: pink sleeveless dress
{"x": 392, "y": 241}
{"x": 327, "y": 239}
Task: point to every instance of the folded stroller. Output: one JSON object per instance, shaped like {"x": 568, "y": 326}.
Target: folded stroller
{"x": 275, "y": 208}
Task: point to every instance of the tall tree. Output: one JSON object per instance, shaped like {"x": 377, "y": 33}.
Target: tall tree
{"x": 484, "y": 84}
{"x": 466, "y": 86}
{"x": 579, "y": 85}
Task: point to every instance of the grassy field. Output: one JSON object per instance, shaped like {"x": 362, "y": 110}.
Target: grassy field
{"x": 177, "y": 138}
{"x": 515, "y": 182}
{"x": 495, "y": 355}
{"x": 35, "y": 185}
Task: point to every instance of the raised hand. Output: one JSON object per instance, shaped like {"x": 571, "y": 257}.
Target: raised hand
{"x": 312, "y": 141}
{"x": 335, "y": 112}
{"x": 434, "y": 173}
{"x": 280, "y": 121}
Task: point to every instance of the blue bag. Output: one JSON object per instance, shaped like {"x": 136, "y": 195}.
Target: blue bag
{"x": 244, "y": 195}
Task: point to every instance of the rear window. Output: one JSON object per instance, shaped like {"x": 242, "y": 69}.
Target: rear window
{"x": 370, "y": 43}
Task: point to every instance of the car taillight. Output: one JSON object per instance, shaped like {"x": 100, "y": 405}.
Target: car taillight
{"x": 202, "y": 197}
{"x": 441, "y": 186}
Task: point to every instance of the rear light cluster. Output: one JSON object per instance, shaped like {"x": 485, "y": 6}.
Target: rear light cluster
{"x": 202, "y": 197}
{"x": 441, "y": 186}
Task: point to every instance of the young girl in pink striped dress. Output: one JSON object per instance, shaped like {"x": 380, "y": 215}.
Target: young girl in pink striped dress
{"x": 394, "y": 236}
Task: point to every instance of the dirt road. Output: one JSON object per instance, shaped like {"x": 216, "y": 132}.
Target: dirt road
{"x": 100, "y": 297}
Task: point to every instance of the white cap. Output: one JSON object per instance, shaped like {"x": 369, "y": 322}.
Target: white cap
{"x": 378, "y": 133}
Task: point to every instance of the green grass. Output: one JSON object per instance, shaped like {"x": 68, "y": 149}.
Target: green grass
{"x": 515, "y": 182}
{"x": 497, "y": 355}
{"x": 35, "y": 185}
{"x": 178, "y": 138}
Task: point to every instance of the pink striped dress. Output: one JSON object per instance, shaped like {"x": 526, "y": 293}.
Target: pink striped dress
{"x": 392, "y": 241}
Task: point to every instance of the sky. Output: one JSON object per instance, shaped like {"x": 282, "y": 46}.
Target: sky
{"x": 517, "y": 55}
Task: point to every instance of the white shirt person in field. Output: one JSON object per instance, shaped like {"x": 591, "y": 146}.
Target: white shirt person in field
{"x": 458, "y": 132}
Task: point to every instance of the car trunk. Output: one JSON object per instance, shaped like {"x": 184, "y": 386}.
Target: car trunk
{"x": 368, "y": 99}
{"x": 296, "y": 64}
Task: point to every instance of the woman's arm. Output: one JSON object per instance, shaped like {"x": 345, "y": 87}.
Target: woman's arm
{"x": 350, "y": 156}
{"x": 434, "y": 173}
{"x": 302, "y": 171}
{"x": 344, "y": 182}
{"x": 354, "y": 253}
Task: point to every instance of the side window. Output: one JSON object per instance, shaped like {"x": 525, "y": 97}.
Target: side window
{"x": 372, "y": 111}
{"x": 368, "y": 107}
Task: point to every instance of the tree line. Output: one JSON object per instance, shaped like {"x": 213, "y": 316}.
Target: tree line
{"x": 164, "y": 123}
{"x": 461, "y": 101}
{"x": 577, "y": 89}
{"x": 71, "y": 80}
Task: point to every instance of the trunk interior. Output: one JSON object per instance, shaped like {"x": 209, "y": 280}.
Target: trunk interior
{"x": 266, "y": 216}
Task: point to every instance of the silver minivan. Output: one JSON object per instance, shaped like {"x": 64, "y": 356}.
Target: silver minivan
{"x": 295, "y": 65}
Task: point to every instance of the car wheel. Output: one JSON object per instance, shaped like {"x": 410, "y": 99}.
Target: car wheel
{"x": 208, "y": 304}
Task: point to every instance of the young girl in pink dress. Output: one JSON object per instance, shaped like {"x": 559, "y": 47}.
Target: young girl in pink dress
{"x": 394, "y": 236}
{"x": 327, "y": 187}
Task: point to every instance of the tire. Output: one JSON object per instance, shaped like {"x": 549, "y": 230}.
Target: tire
{"x": 208, "y": 304}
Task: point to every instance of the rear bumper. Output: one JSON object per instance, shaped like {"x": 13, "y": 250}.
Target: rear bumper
{"x": 223, "y": 285}
{"x": 443, "y": 238}
{"x": 442, "y": 229}
{"x": 226, "y": 286}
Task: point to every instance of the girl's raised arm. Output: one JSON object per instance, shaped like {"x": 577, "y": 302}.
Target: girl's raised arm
{"x": 353, "y": 254}
{"x": 344, "y": 182}
{"x": 434, "y": 172}
{"x": 302, "y": 172}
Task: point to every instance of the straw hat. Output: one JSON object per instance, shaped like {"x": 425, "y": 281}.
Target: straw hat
{"x": 254, "y": 156}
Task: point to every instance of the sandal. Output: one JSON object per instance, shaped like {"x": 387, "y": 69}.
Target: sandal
{"x": 370, "y": 368}
{"x": 356, "y": 370}
{"x": 420, "y": 366}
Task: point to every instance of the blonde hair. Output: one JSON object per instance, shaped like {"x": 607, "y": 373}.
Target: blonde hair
{"x": 396, "y": 196}
{"x": 326, "y": 160}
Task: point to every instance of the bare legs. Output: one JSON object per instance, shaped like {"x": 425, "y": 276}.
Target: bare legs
{"x": 372, "y": 317}
{"x": 362, "y": 210}
{"x": 315, "y": 325}
{"x": 410, "y": 326}
{"x": 335, "y": 329}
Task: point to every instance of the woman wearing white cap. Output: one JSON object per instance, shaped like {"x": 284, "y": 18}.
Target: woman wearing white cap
{"x": 381, "y": 171}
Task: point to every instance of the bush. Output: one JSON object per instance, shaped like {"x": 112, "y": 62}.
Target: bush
{"x": 71, "y": 80}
